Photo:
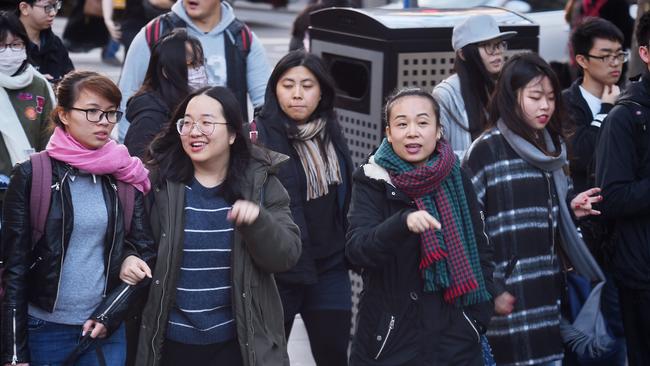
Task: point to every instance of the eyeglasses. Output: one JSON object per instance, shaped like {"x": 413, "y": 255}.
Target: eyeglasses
{"x": 96, "y": 115}
{"x": 49, "y": 8}
{"x": 492, "y": 47}
{"x": 15, "y": 46}
{"x": 621, "y": 57}
{"x": 184, "y": 126}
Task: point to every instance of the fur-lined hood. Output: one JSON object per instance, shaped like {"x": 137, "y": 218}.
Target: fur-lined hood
{"x": 373, "y": 171}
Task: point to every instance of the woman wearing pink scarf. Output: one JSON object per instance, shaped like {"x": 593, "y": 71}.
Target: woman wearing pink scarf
{"x": 57, "y": 288}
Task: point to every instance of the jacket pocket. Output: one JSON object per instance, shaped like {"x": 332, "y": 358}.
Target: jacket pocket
{"x": 471, "y": 325}
{"x": 384, "y": 334}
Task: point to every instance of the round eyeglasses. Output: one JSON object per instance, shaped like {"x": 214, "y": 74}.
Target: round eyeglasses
{"x": 14, "y": 46}
{"x": 185, "y": 125}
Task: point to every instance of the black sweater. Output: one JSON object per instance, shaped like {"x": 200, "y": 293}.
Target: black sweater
{"x": 148, "y": 114}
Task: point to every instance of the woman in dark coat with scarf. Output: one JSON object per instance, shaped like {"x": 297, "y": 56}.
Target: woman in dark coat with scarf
{"x": 417, "y": 233}
{"x": 518, "y": 172}
{"x": 298, "y": 120}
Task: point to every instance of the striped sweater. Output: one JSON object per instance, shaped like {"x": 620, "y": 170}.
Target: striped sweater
{"x": 202, "y": 313}
{"x": 521, "y": 212}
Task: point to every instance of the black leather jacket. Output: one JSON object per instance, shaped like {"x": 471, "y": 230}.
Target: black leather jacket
{"x": 33, "y": 270}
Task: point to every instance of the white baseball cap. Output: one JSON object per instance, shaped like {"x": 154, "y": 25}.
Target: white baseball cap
{"x": 475, "y": 29}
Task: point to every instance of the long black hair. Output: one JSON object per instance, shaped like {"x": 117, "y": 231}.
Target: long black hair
{"x": 271, "y": 111}
{"x": 169, "y": 161}
{"x": 476, "y": 86}
{"x": 10, "y": 24}
{"x": 167, "y": 70}
{"x": 520, "y": 70}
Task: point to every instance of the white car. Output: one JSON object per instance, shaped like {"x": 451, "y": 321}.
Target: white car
{"x": 549, "y": 14}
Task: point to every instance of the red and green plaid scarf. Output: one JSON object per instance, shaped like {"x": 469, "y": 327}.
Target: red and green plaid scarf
{"x": 449, "y": 258}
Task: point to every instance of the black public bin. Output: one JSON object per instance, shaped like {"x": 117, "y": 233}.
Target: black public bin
{"x": 370, "y": 52}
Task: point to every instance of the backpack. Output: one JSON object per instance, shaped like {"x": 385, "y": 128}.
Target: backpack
{"x": 41, "y": 195}
{"x": 237, "y": 40}
{"x": 164, "y": 24}
{"x": 599, "y": 234}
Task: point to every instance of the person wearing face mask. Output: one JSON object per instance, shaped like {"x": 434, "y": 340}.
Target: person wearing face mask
{"x": 479, "y": 46}
{"x": 26, "y": 99}
{"x": 175, "y": 69}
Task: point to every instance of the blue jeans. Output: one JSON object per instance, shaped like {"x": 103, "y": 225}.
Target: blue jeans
{"x": 51, "y": 343}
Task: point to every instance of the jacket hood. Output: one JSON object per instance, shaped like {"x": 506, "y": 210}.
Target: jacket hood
{"x": 263, "y": 158}
{"x": 638, "y": 92}
{"x": 148, "y": 101}
{"x": 373, "y": 171}
{"x": 227, "y": 17}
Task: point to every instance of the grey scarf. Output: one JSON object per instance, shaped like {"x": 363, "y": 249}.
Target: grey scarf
{"x": 588, "y": 334}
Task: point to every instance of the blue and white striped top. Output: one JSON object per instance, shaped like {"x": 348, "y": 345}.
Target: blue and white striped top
{"x": 202, "y": 313}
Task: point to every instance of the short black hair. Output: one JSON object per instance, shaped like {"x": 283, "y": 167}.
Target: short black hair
{"x": 583, "y": 36}
{"x": 643, "y": 30}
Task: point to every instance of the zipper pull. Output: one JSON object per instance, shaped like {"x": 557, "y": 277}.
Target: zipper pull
{"x": 14, "y": 360}
{"x": 391, "y": 325}
{"x": 56, "y": 186}
{"x": 114, "y": 186}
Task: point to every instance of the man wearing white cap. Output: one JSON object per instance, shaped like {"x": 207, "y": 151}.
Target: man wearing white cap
{"x": 463, "y": 97}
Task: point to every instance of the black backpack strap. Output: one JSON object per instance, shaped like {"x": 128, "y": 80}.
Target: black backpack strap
{"x": 238, "y": 42}
{"x": 161, "y": 26}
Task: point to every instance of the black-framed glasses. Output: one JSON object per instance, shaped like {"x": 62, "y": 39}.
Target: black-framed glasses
{"x": 15, "y": 46}
{"x": 184, "y": 126}
{"x": 492, "y": 47}
{"x": 621, "y": 57}
{"x": 96, "y": 115}
{"x": 49, "y": 8}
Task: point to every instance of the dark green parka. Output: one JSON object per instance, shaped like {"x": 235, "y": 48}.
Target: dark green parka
{"x": 271, "y": 244}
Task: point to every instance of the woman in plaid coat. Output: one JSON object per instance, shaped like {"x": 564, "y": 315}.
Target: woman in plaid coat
{"x": 518, "y": 172}
{"x": 417, "y": 236}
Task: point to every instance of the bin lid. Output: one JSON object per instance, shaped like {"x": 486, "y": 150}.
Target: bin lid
{"x": 389, "y": 23}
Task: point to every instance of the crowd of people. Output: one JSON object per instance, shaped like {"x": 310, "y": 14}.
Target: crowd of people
{"x": 501, "y": 220}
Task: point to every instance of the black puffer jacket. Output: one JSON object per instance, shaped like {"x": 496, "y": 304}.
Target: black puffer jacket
{"x": 32, "y": 270}
{"x": 399, "y": 324}
{"x": 148, "y": 114}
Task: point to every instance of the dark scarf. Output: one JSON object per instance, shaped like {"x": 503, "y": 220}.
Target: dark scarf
{"x": 449, "y": 257}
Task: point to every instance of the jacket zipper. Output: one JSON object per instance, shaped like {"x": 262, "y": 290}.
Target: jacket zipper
{"x": 35, "y": 262}
{"x": 102, "y": 316}
{"x": 484, "y": 232}
{"x": 249, "y": 299}
{"x": 110, "y": 252}
{"x": 59, "y": 187}
{"x": 162, "y": 297}
{"x": 391, "y": 326}
{"x": 478, "y": 336}
{"x": 14, "y": 358}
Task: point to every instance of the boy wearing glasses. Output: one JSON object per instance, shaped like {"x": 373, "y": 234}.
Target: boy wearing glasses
{"x": 45, "y": 50}
{"x": 598, "y": 47}
{"x": 623, "y": 174}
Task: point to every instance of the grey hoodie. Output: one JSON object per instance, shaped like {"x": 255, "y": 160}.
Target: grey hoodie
{"x": 453, "y": 116}
{"x": 137, "y": 60}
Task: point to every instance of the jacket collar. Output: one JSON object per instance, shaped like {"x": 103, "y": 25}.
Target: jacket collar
{"x": 372, "y": 170}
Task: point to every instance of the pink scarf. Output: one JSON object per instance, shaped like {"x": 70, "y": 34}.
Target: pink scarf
{"x": 112, "y": 158}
